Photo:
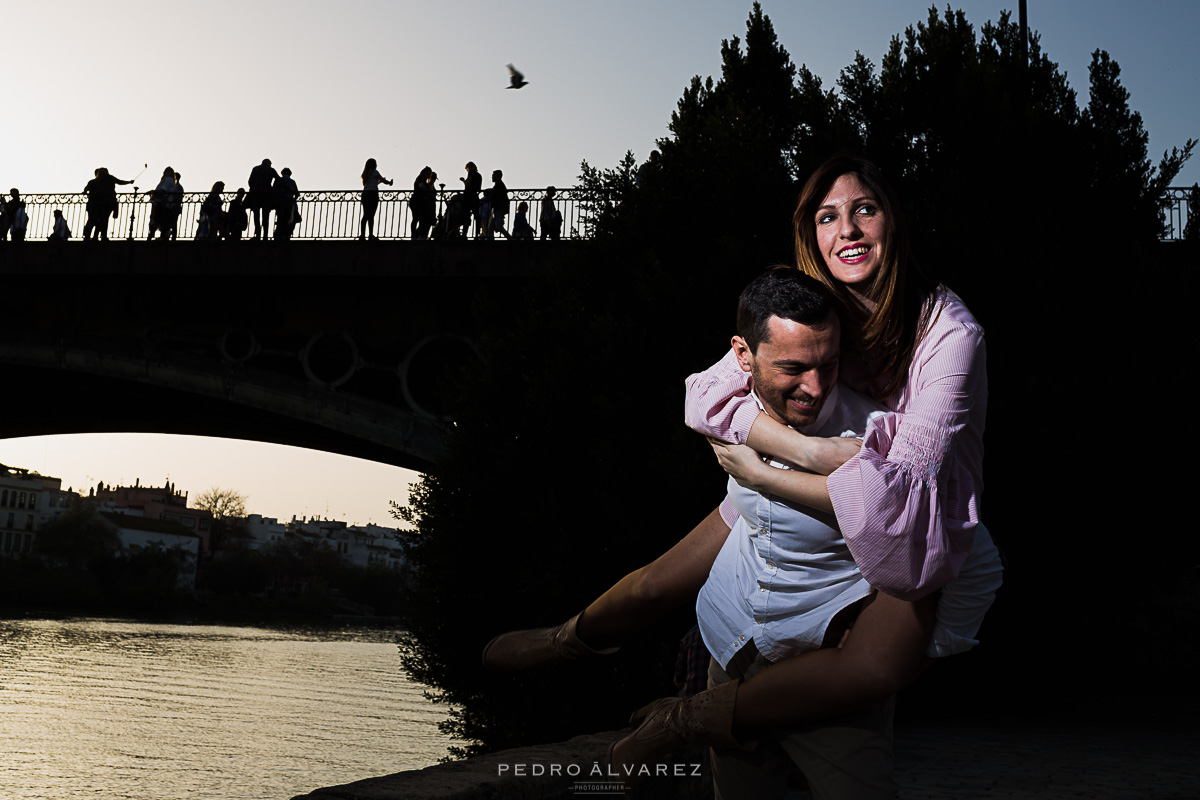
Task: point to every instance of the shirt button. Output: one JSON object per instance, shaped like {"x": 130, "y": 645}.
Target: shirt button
{"x": 770, "y": 565}
{"x": 743, "y": 638}
{"x": 758, "y": 620}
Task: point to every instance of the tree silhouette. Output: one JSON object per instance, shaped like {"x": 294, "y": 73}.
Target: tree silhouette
{"x": 77, "y": 539}
{"x": 1127, "y": 190}
{"x": 224, "y": 504}
{"x": 228, "y": 508}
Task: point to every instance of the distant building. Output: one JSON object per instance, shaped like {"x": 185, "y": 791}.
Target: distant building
{"x": 263, "y": 532}
{"x": 142, "y": 533}
{"x": 385, "y": 546}
{"x": 360, "y": 545}
{"x": 27, "y": 502}
{"x": 156, "y": 502}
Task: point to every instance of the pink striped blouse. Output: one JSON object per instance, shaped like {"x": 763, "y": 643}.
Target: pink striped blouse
{"x": 908, "y": 503}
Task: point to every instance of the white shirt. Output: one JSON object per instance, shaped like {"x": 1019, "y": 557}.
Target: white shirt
{"x": 785, "y": 569}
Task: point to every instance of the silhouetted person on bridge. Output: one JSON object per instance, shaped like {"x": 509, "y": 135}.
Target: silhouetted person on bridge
{"x": 212, "y": 218}
{"x": 261, "y": 199}
{"x": 499, "y": 205}
{"x": 162, "y": 215}
{"x": 175, "y": 205}
{"x": 647, "y": 169}
{"x": 287, "y": 213}
{"x": 521, "y": 227}
{"x": 472, "y": 186}
{"x": 235, "y": 217}
{"x": 423, "y": 204}
{"x": 550, "y": 218}
{"x": 15, "y": 217}
{"x": 370, "y": 198}
{"x": 102, "y": 202}
{"x": 60, "y": 232}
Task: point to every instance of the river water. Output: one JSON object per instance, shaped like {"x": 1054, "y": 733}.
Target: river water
{"x": 107, "y": 709}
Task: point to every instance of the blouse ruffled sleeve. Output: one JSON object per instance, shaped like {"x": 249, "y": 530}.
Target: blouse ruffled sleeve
{"x": 907, "y": 504}
{"x": 718, "y": 401}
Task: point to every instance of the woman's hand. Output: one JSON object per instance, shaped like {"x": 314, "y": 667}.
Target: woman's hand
{"x": 742, "y": 463}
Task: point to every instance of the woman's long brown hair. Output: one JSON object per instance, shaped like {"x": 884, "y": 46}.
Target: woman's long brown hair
{"x": 886, "y": 337}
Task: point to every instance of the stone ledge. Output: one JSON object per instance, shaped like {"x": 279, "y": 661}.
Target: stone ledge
{"x": 545, "y": 776}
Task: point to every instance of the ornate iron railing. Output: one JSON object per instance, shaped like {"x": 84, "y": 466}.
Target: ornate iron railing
{"x": 323, "y": 214}
{"x": 1177, "y": 211}
{"x": 336, "y": 214}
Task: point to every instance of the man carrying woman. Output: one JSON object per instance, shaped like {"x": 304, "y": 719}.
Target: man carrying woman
{"x": 906, "y": 503}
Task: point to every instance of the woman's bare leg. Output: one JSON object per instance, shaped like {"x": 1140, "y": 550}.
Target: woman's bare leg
{"x": 642, "y": 596}
{"x": 884, "y": 653}
{"x": 633, "y": 603}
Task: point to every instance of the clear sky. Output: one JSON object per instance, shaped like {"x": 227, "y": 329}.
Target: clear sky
{"x": 278, "y": 481}
{"x": 213, "y": 88}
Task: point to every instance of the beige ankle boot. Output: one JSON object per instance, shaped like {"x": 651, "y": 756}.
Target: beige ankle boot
{"x": 520, "y": 650}
{"x": 705, "y": 718}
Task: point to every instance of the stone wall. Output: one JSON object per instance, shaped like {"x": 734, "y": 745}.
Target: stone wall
{"x": 572, "y": 769}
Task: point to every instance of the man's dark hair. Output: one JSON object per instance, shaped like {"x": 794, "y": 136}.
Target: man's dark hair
{"x": 781, "y": 292}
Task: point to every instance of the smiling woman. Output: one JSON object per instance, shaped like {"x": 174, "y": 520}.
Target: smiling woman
{"x": 277, "y": 480}
{"x": 850, "y": 231}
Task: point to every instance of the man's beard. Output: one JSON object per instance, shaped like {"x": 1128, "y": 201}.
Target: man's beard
{"x": 777, "y": 403}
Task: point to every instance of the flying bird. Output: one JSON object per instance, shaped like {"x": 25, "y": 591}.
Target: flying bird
{"x": 516, "y": 79}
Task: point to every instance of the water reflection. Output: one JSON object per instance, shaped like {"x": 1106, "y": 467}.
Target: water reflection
{"x": 129, "y": 709}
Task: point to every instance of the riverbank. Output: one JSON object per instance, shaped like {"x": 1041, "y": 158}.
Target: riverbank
{"x": 258, "y": 615}
{"x": 1134, "y": 747}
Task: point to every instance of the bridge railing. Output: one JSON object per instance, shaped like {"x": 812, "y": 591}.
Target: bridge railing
{"x": 323, "y": 214}
{"x": 1178, "y": 208}
{"x": 336, "y": 214}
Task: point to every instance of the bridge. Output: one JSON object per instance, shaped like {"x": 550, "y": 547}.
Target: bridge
{"x": 335, "y": 214}
{"x": 332, "y": 345}
{"x": 330, "y": 214}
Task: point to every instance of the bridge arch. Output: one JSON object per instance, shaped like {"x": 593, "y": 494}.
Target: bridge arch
{"x": 334, "y": 346}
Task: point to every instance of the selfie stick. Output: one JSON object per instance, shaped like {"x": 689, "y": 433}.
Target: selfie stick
{"x": 133, "y": 208}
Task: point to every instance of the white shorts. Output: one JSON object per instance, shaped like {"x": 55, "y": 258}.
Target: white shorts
{"x": 966, "y": 599}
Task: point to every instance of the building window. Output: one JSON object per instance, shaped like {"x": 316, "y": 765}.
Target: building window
{"x": 11, "y": 516}
{"x": 4, "y": 498}
{"x": 29, "y": 522}
{"x": 28, "y": 542}
{"x": 203, "y": 524}
{"x": 21, "y": 502}
{"x": 33, "y": 500}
